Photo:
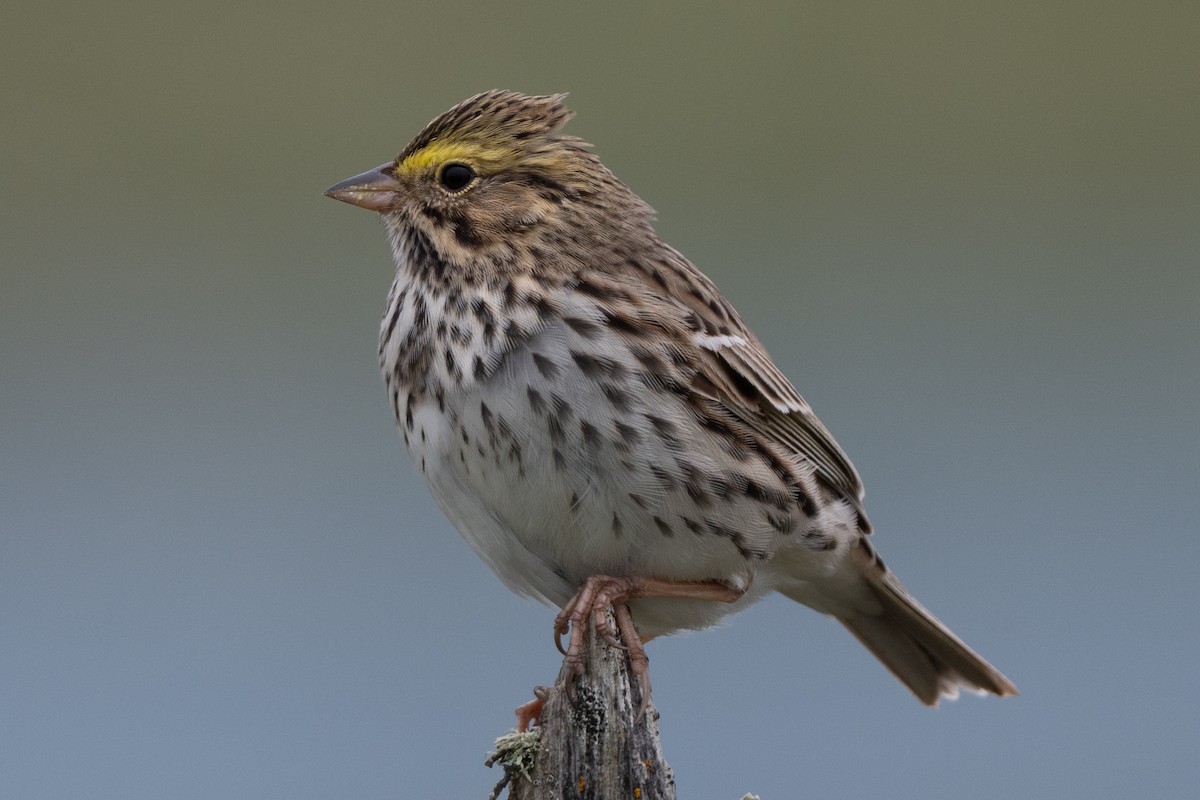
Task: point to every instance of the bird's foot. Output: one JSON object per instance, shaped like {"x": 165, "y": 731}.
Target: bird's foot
{"x": 602, "y": 592}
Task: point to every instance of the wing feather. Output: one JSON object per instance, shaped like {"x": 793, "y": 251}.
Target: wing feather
{"x": 778, "y": 411}
{"x": 735, "y": 370}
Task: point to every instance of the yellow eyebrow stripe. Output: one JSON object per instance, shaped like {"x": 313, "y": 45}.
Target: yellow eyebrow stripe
{"x": 436, "y": 153}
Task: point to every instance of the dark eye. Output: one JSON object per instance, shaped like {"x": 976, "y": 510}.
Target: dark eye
{"x": 455, "y": 177}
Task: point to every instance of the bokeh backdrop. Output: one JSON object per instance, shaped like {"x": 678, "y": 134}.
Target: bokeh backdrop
{"x": 969, "y": 232}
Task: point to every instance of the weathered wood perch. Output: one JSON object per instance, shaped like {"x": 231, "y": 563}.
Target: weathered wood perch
{"x": 591, "y": 745}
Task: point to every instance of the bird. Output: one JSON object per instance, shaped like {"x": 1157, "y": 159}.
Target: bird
{"x": 595, "y": 418}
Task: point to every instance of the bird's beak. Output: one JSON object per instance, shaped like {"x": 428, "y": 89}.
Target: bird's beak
{"x": 375, "y": 189}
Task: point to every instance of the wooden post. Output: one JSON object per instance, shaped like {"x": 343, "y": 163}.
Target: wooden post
{"x": 590, "y": 745}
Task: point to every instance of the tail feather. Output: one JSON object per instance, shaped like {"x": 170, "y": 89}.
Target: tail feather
{"x": 918, "y": 649}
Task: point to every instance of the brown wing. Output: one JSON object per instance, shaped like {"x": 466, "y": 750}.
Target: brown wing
{"x": 735, "y": 371}
{"x": 756, "y": 392}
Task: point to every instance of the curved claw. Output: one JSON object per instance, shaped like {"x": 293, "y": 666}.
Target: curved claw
{"x": 559, "y": 630}
{"x": 615, "y": 644}
{"x": 605, "y": 630}
{"x": 639, "y": 663}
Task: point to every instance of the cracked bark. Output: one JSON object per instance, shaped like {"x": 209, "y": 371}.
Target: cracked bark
{"x": 593, "y": 746}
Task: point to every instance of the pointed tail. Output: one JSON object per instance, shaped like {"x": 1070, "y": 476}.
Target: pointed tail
{"x": 918, "y": 649}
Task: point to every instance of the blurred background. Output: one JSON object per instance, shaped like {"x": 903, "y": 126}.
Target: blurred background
{"x": 968, "y": 231}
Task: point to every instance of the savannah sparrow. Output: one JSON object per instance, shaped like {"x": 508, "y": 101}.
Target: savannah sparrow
{"x": 596, "y": 419}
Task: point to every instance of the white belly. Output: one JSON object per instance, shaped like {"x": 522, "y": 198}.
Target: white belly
{"x": 550, "y": 483}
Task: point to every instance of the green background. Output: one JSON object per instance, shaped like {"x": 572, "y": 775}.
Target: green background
{"x": 968, "y": 231}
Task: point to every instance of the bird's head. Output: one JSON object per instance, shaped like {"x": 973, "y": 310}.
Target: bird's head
{"x": 493, "y": 180}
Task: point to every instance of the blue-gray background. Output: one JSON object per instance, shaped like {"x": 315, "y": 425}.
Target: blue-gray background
{"x": 968, "y": 231}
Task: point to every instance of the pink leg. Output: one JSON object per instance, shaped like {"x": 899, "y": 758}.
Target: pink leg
{"x": 601, "y": 592}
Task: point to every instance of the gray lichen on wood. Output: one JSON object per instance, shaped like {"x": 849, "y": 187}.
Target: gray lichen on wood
{"x": 593, "y": 743}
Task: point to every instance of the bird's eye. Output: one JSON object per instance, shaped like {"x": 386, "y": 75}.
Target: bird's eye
{"x": 455, "y": 177}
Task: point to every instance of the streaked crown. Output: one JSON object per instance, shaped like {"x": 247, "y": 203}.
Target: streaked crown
{"x": 494, "y": 130}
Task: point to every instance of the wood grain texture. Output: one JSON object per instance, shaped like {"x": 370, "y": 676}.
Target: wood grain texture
{"x": 594, "y": 745}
